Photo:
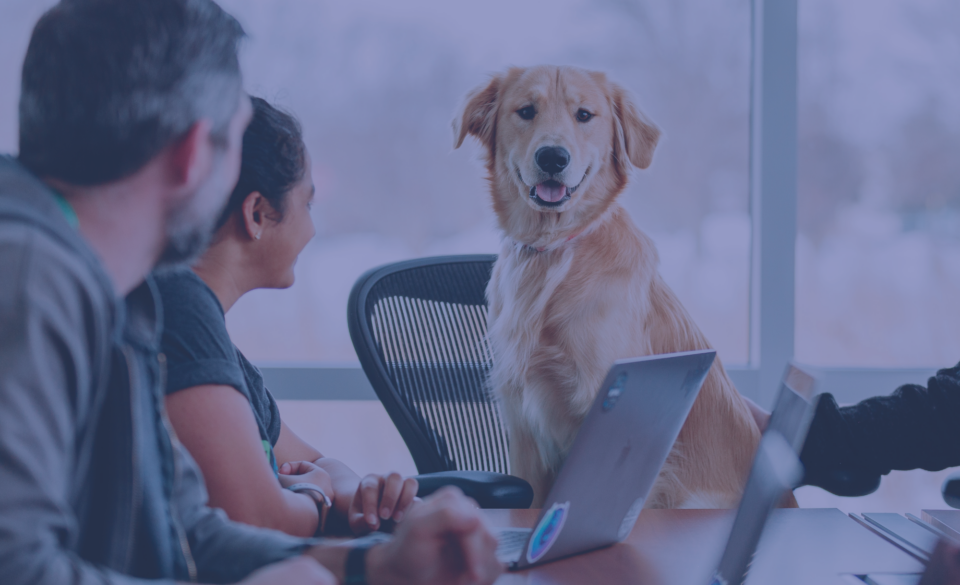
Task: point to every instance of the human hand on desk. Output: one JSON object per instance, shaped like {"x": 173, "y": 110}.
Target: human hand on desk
{"x": 444, "y": 540}
{"x": 294, "y": 472}
{"x": 365, "y": 503}
{"x": 381, "y": 498}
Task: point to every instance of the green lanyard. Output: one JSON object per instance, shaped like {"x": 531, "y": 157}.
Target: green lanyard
{"x": 67, "y": 210}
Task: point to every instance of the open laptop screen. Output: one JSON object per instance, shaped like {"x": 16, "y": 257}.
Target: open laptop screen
{"x": 794, "y": 407}
{"x": 776, "y": 469}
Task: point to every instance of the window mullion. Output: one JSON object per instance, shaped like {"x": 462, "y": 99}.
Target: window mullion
{"x": 773, "y": 191}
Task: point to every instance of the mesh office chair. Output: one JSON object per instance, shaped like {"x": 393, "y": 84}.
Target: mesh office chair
{"x": 419, "y": 329}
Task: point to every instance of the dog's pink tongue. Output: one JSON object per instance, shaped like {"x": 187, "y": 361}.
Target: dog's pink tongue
{"x": 551, "y": 193}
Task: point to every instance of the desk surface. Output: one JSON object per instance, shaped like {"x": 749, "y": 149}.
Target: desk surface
{"x": 678, "y": 547}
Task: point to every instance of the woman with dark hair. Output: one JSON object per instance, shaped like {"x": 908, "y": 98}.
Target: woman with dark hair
{"x": 216, "y": 399}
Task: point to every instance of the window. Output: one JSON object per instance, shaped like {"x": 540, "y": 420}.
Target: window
{"x": 19, "y": 16}
{"x": 874, "y": 267}
{"x": 376, "y": 84}
{"x": 878, "y": 249}
{"x": 878, "y": 246}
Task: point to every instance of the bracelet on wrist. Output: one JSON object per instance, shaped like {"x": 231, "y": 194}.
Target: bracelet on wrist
{"x": 319, "y": 497}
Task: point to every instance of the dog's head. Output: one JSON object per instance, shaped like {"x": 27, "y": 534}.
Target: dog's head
{"x": 558, "y": 139}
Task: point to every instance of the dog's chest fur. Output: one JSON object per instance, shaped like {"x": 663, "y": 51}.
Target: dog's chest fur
{"x": 554, "y": 332}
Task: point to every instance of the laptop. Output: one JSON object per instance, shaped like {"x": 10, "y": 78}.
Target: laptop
{"x": 614, "y": 461}
{"x": 776, "y": 469}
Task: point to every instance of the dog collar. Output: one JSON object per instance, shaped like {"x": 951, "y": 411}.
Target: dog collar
{"x": 528, "y": 248}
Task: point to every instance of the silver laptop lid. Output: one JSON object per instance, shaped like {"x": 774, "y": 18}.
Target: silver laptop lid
{"x": 793, "y": 410}
{"x": 776, "y": 469}
{"x": 617, "y": 455}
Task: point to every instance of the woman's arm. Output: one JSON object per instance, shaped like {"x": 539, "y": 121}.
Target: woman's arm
{"x": 216, "y": 425}
{"x": 291, "y": 448}
{"x": 362, "y": 503}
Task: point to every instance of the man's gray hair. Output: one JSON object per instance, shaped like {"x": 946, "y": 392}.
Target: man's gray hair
{"x": 108, "y": 84}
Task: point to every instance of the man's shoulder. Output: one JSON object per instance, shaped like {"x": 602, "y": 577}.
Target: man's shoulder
{"x": 29, "y": 252}
{"x": 41, "y": 271}
{"x": 37, "y": 243}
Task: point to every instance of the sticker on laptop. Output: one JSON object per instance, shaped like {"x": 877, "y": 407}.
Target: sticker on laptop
{"x": 547, "y": 531}
{"x": 630, "y": 519}
{"x": 614, "y": 392}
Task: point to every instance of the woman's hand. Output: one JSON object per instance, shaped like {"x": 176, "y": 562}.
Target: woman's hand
{"x": 294, "y": 472}
{"x": 381, "y": 498}
{"x": 345, "y": 484}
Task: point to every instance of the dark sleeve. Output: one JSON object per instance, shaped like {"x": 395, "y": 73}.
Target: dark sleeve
{"x": 264, "y": 406}
{"x": 274, "y": 420}
{"x": 195, "y": 339}
{"x": 46, "y": 390}
{"x": 913, "y": 428}
{"x": 225, "y": 551}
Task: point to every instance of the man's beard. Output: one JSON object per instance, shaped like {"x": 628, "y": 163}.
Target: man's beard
{"x": 187, "y": 238}
{"x": 190, "y": 225}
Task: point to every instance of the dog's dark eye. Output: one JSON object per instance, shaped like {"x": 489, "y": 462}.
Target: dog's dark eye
{"x": 583, "y": 115}
{"x": 527, "y": 112}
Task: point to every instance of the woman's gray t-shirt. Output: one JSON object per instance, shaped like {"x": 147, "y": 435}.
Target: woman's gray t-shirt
{"x": 199, "y": 351}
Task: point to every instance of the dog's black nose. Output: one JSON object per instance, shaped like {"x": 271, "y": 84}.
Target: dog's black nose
{"x": 552, "y": 159}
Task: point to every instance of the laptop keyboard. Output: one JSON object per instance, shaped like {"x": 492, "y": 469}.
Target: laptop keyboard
{"x": 510, "y": 543}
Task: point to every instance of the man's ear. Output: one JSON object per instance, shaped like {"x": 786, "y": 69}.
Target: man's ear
{"x": 191, "y": 157}
{"x": 254, "y": 213}
{"x": 636, "y": 136}
{"x": 479, "y": 116}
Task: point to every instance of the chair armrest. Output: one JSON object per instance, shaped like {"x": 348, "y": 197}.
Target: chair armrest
{"x": 490, "y": 490}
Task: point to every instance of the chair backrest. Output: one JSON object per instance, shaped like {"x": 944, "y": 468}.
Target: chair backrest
{"x": 419, "y": 328}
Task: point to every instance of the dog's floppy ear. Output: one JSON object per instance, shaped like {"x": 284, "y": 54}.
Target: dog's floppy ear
{"x": 636, "y": 136}
{"x": 479, "y": 116}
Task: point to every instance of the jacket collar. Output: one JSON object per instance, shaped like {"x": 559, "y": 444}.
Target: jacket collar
{"x": 26, "y": 199}
{"x": 140, "y": 317}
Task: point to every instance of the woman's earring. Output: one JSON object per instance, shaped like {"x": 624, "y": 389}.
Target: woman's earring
{"x": 257, "y": 237}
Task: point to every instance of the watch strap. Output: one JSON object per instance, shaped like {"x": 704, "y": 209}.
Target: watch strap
{"x": 311, "y": 487}
{"x": 356, "y": 569}
{"x": 322, "y": 500}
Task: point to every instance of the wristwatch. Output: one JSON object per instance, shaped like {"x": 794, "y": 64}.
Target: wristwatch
{"x": 320, "y": 497}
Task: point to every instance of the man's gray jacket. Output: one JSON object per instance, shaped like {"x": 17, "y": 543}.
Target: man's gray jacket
{"x": 94, "y": 486}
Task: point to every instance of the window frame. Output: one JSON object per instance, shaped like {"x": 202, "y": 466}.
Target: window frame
{"x": 773, "y": 210}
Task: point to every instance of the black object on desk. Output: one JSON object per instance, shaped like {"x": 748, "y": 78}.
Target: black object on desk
{"x": 951, "y": 490}
{"x": 490, "y": 490}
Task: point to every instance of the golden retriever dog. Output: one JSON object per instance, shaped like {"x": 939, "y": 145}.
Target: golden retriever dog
{"x": 576, "y": 285}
